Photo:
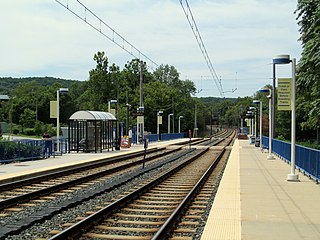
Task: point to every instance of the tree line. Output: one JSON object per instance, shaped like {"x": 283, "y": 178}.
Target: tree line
{"x": 163, "y": 90}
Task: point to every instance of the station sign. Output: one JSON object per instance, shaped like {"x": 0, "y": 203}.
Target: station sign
{"x": 53, "y": 109}
{"x": 113, "y": 111}
{"x": 284, "y": 94}
{"x": 140, "y": 120}
{"x": 135, "y": 114}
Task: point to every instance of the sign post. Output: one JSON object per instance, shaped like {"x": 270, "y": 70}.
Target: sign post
{"x": 146, "y": 142}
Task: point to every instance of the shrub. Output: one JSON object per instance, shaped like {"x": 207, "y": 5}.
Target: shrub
{"x": 49, "y": 129}
{"x": 29, "y": 131}
{"x": 18, "y": 150}
{"x": 15, "y": 131}
{"x": 38, "y": 128}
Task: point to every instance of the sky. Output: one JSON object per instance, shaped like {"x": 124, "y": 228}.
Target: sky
{"x": 42, "y": 38}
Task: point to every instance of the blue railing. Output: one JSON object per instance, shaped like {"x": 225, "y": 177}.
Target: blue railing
{"x": 152, "y": 137}
{"x": 165, "y": 136}
{"x": 307, "y": 159}
{"x": 26, "y": 149}
{"x": 171, "y": 136}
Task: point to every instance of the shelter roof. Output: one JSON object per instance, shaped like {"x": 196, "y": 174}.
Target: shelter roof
{"x": 92, "y": 115}
{"x": 4, "y": 97}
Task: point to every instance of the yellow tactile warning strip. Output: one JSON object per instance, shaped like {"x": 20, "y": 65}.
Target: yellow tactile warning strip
{"x": 224, "y": 221}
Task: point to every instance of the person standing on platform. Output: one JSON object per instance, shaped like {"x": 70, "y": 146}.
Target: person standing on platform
{"x": 130, "y": 136}
{"x": 47, "y": 145}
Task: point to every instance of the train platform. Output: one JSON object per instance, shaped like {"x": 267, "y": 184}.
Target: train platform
{"x": 17, "y": 170}
{"x": 255, "y": 201}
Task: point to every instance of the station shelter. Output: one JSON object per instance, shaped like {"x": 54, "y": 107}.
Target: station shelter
{"x": 92, "y": 131}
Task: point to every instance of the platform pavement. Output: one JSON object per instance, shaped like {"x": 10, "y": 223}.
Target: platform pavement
{"x": 255, "y": 201}
{"x": 12, "y": 170}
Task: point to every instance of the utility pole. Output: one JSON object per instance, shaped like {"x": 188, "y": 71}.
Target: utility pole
{"x": 195, "y": 121}
{"x": 140, "y": 118}
{"x": 173, "y": 115}
{"x": 211, "y": 116}
{"x": 127, "y": 118}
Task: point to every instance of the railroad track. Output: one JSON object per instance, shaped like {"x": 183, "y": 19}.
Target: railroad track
{"x": 41, "y": 214}
{"x": 45, "y": 202}
{"x": 151, "y": 210}
{"x": 216, "y": 139}
{"x": 32, "y": 188}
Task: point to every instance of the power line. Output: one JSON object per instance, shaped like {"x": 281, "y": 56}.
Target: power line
{"x": 102, "y": 27}
{"x": 195, "y": 30}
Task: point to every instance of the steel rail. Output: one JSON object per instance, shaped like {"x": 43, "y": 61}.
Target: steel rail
{"x": 77, "y": 229}
{"x": 41, "y": 192}
{"x": 168, "y": 226}
{"x": 44, "y": 214}
{"x": 4, "y": 186}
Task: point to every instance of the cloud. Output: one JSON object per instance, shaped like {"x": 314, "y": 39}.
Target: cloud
{"x": 241, "y": 37}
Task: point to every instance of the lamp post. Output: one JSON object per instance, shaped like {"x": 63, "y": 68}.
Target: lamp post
{"x": 140, "y": 119}
{"x": 195, "y": 132}
{"x": 179, "y": 123}
{"x": 249, "y": 115}
{"x": 258, "y": 114}
{"x": 171, "y": 114}
{"x": 127, "y": 118}
{"x": 254, "y": 125}
{"x": 285, "y": 59}
{"x": 277, "y": 60}
{"x": 260, "y": 120}
{"x": 159, "y": 121}
{"x": 270, "y": 156}
{"x": 60, "y": 90}
{"x": 292, "y": 176}
{"x": 109, "y": 105}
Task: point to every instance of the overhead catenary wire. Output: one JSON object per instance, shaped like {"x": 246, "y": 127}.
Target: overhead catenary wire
{"x": 196, "y": 32}
{"x": 115, "y": 37}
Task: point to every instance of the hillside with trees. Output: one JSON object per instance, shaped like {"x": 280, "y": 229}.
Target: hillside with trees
{"x": 7, "y": 84}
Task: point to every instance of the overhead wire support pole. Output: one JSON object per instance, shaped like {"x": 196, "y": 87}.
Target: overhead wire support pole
{"x": 196, "y": 32}
{"x": 120, "y": 42}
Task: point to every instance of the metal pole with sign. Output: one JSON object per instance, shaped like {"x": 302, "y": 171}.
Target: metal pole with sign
{"x": 292, "y": 176}
{"x": 60, "y": 90}
{"x": 159, "y": 122}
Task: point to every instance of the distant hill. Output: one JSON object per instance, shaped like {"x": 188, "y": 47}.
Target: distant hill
{"x": 9, "y": 83}
{"x": 216, "y": 100}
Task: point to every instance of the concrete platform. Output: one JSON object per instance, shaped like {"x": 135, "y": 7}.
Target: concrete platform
{"x": 255, "y": 201}
{"x": 12, "y": 170}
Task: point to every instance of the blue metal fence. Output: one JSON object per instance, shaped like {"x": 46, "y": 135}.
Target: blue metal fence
{"x": 171, "y": 136}
{"x": 152, "y": 137}
{"x": 307, "y": 159}
{"x": 26, "y": 149}
{"x": 165, "y": 136}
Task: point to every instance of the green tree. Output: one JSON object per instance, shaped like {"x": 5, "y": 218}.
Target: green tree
{"x": 27, "y": 118}
{"x": 157, "y": 96}
{"x": 308, "y": 84}
{"x": 99, "y": 85}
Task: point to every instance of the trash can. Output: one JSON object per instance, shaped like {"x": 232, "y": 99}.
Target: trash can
{"x": 117, "y": 144}
{"x": 257, "y": 142}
